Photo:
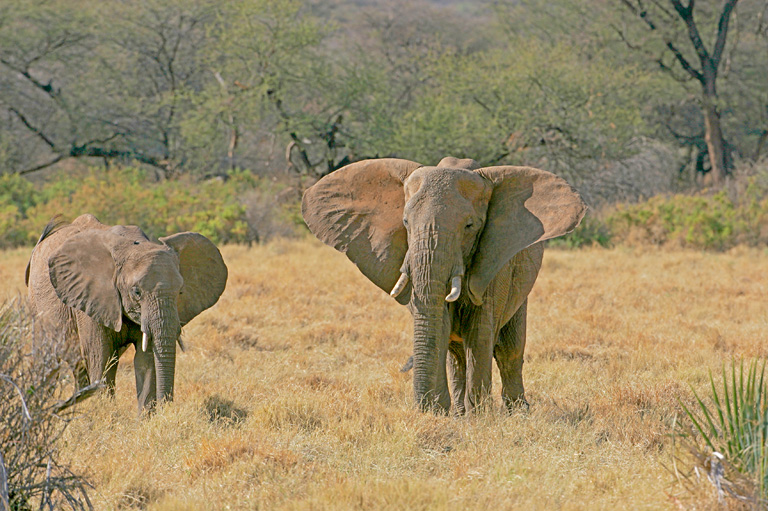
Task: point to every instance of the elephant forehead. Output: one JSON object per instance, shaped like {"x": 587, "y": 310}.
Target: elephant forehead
{"x": 447, "y": 184}
{"x": 152, "y": 265}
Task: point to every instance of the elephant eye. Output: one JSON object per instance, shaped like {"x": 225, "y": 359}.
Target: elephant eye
{"x": 405, "y": 222}
{"x": 469, "y": 224}
{"x": 136, "y": 292}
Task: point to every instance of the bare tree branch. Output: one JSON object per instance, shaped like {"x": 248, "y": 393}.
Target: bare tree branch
{"x": 722, "y": 30}
{"x": 33, "y": 129}
{"x": 21, "y": 395}
{"x": 686, "y": 14}
{"x": 684, "y": 63}
{"x": 42, "y": 166}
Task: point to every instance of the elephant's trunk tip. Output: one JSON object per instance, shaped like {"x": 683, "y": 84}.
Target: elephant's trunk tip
{"x": 399, "y": 286}
{"x": 455, "y": 289}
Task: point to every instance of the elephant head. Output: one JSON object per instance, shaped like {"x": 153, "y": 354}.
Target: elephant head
{"x": 430, "y": 235}
{"x": 118, "y": 275}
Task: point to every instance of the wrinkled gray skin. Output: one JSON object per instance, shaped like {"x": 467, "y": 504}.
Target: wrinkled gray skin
{"x": 461, "y": 247}
{"x": 109, "y": 287}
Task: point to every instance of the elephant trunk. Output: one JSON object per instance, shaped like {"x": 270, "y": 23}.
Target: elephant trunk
{"x": 432, "y": 265}
{"x": 160, "y": 322}
{"x": 429, "y": 348}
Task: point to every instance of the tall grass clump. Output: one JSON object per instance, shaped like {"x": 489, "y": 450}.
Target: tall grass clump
{"x": 33, "y": 416}
{"x": 727, "y": 435}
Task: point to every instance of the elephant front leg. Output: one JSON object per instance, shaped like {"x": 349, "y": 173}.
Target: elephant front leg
{"x": 146, "y": 383}
{"x": 478, "y": 349}
{"x": 457, "y": 373}
{"x": 100, "y": 354}
{"x": 509, "y": 358}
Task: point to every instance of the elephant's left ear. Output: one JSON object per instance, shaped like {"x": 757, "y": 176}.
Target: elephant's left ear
{"x": 203, "y": 270}
{"x": 527, "y": 206}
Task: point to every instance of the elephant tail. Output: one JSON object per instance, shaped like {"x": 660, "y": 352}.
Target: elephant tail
{"x": 408, "y": 365}
{"x": 52, "y": 226}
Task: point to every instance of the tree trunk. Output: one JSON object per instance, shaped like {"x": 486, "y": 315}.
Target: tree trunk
{"x": 713, "y": 135}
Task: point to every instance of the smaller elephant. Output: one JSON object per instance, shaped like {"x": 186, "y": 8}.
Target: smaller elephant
{"x": 107, "y": 287}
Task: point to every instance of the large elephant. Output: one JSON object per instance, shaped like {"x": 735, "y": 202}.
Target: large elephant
{"x": 109, "y": 287}
{"x": 461, "y": 247}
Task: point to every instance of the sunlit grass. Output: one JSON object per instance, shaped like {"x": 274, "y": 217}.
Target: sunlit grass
{"x": 290, "y": 395}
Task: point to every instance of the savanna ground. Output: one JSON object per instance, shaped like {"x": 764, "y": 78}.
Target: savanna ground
{"x": 290, "y": 397}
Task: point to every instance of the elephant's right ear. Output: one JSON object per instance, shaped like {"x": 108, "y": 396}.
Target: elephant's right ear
{"x": 82, "y": 272}
{"x": 358, "y": 210}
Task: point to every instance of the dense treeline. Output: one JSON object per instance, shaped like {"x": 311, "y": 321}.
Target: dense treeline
{"x": 203, "y": 86}
{"x": 618, "y": 96}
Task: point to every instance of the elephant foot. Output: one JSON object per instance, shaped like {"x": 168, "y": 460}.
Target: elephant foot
{"x": 517, "y": 404}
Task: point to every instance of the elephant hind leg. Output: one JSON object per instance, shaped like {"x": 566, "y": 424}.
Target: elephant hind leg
{"x": 509, "y": 357}
{"x": 457, "y": 374}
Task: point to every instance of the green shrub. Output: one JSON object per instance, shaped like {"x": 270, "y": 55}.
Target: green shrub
{"x": 708, "y": 222}
{"x": 17, "y": 195}
{"x": 590, "y": 232}
{"x": 217, "y": 208}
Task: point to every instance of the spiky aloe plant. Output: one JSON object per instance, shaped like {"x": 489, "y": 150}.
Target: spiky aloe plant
{"x": 736, "y": 422}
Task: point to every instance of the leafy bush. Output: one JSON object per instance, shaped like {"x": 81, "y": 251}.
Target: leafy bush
{"x": 32, "y": 381}
{"x": 221, "y": 209}
{"x": 736, "y": 215}
{"x": 591, "y": 231}
{"x": 714, "y": 222}
{"x": 17, "y": 195}
{"x": 729, "y": 436}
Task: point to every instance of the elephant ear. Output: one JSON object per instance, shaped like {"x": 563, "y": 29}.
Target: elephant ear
{"x": 203, "y": 270}
{"x": 358, "y": 210}
{"x": 82, "y": 272}
{"x": 527, "y": 206}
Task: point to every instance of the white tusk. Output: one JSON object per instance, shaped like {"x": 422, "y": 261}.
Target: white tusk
{"x": 181, "y": 345}
{"x": 455, "y": 289}
{"x": 401, "y": 283}
{"x": 144, "y": 341}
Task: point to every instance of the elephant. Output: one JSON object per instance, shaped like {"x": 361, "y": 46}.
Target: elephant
{"x": 461, "y": 246}
{"x": 107, "y": 287}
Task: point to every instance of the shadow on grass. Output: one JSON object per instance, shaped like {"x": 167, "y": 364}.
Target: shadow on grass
{"x": 218, "y": 409}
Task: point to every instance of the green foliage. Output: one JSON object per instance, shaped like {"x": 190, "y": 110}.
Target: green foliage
{"x": 17, "y": 195}
{"x": 127, "y": 196}
{"x": 590, "y": 232}
{"x": 526, "y": 102}
{"x": 709, "y": 222}
{"x": 735, "y": 422}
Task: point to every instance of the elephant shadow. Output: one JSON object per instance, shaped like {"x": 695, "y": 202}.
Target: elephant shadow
{"x": 220, "y": 410}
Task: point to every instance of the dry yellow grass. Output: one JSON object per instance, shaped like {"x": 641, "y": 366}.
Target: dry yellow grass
{"x": 289, "y": 395}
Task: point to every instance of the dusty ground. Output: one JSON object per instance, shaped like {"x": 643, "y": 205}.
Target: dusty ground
{"x": 289, "y": 395}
